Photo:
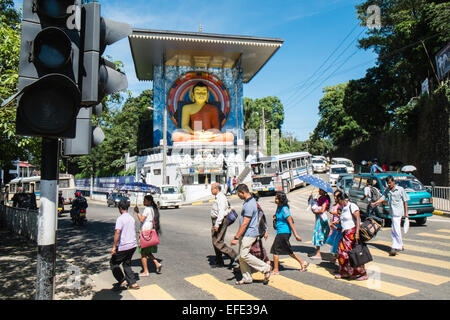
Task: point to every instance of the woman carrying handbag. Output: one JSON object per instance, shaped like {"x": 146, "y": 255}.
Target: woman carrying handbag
{"x": 149, "y": 226}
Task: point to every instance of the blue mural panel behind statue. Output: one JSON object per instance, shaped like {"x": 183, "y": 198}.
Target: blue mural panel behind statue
{"x": 221, "y": 116}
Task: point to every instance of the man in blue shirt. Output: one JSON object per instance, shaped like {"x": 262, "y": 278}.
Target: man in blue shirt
{"x": 247, "y": 235}
{"x": 374, "y": 168}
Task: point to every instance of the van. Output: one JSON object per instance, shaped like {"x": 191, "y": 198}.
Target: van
{"x": 344, "y": 161}
{"x": 168, "y": 196}
{"x": 420, "y": 205}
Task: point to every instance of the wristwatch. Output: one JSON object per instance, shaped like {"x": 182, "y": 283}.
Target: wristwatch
{"x": 236, "y": 238}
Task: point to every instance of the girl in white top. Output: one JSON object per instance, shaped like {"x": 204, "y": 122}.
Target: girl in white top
{"x": 149, "y": 219}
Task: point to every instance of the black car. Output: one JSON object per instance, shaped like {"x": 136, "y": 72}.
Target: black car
{"x": 115, "y": 198}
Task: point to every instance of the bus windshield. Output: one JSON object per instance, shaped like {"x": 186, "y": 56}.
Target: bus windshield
{"x": 270, "y": 167}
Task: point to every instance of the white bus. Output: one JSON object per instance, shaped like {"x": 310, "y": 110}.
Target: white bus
{"x": 280, "y": 173}
{"x": 66, "y": 184}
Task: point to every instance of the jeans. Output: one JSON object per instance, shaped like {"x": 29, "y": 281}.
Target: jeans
{"x": 124, "y": 258}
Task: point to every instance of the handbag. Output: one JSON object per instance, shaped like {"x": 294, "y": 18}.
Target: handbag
{"x": 369, "y": 229}
{"x": 231, "y": 215}
{"x": 149, "y": 238}
{"x": 359, "y": 255}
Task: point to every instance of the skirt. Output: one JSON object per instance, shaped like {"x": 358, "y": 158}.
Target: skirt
{"x": 149, "y": 250}
{"x": 334, "y": 239}
{"x": 281, "y": 245}
{"x": 346, "y": 244}
{"x": 321, "y": 231}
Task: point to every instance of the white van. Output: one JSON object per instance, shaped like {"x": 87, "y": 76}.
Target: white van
{"x": 344, "y": 161}
{"x": 336, "y": 171}
{"x": 168, "y": 196}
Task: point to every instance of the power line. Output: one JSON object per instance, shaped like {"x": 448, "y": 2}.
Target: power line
{"x": 299, "y": 85}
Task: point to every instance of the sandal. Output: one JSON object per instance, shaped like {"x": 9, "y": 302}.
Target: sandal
{"x": 274, "y": 273}
{"x": 240, "y": 283}
{"x": 144, "y": 274}
{"x": 340, "y": 276}
{"x": 158, "y": 269}
{"x": 304, "y": 267}
{"x": 362, "y": 278}
{"x": 134, "y": 287}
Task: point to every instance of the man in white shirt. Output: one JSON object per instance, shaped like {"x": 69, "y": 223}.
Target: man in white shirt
{"x": 398, "y": 203}
{"x": 219, "y": 212}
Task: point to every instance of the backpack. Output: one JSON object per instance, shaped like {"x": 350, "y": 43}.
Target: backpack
{"x": 262, "y": 225}
{"x": 376, "y": 194}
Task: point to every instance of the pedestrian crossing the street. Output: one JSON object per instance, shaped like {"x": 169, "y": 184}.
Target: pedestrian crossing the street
{"x": 389, "y": 277}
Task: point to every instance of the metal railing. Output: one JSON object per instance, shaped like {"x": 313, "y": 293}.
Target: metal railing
{"x": 23, "y": 222}
{"x": 441, "y": 198}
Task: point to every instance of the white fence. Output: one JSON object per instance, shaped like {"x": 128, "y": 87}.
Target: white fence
{"x": 441, "y": 198}
{"x": 23, "y": 222}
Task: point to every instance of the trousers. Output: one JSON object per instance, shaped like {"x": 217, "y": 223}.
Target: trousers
{"x": 218, "y": 241}
{"x": 123, "y": 258}
{"x": 247, "y": 261}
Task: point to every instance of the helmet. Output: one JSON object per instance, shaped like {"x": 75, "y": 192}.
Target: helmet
{"x": 78, "y": 194}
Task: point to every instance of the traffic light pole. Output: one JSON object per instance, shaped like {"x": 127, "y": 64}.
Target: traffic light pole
{"x": 46, "y": 258}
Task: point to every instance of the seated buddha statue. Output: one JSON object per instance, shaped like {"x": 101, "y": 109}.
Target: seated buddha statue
{"x": 203, "y": 117}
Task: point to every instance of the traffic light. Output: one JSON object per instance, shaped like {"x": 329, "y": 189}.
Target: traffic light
{"x": 49, "y": 69}
{"x": 86, "y": 136}
{"x": 100, "y": 77}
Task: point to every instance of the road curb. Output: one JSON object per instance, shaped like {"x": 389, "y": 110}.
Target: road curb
{"x": 196, "y": 203}
{"x": 441, "y": 213}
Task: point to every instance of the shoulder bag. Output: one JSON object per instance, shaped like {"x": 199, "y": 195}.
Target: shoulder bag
{"x": 232, "y": 215}
{"x": 149, "y": 238}
{"x": 359, "y": 255}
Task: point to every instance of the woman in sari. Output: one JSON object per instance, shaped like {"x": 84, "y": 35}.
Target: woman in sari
{"x": 350, "y": 222}
{"x": 321, "y": 227}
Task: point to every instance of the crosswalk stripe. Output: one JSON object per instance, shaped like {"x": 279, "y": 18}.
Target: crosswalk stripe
{"x": 416, "y": 248}
{"x": 443, "y": 230}
{"x": 151, "y": 292}
{"x": 432, "y": 235}
{"x": 221, "y": 291}
{"x": 380, "y": 286}
{"x": 298, "y": 289}
{"x": 411, "y": 258}
{"x": 410, "y": 274}
{"x": 440, "y": 243}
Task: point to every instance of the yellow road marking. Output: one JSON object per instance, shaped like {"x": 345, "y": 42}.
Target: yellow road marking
{"x": 410, "y": 258}
{"x": 410, "y": 274}
{"x": 380, "y": 286}
{"x": 221, "y": 291}
{"x": 298, "y": 289}
{"x": 443, "y": 230}
{"x": 151, "y": 292}
{"x": 440, "y": 243}
{"x": 416, "y": 248}
{"x": 197, "y": 203}
{"x": 432, "y": 235}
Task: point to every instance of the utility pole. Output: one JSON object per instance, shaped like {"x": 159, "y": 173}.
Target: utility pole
{"x": 264, "y": 139}
{"x": 47, "y": 221}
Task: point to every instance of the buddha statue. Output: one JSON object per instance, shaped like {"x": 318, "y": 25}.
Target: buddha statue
{"x": 203, "y": 117}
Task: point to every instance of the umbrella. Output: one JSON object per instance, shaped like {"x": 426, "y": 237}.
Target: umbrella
{"x": 317, "y": 182}
{"x": 408, "y": 168}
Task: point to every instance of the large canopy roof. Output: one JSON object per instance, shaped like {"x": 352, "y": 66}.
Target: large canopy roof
{"x": 198, "y": 49}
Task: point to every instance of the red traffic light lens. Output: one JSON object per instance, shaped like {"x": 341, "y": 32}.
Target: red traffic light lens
{"x": 52, "y": 48}
{"x": 55, "y": 9}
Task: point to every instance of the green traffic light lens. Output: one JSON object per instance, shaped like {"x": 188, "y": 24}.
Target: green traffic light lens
{"x": 55, "y": 9}
{"x": 52, "y": 48}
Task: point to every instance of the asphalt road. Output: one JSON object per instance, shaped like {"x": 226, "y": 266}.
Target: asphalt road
{"x": 422, "y": 271}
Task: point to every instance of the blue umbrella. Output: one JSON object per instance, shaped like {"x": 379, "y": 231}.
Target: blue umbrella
{"x": 317, "y": 182}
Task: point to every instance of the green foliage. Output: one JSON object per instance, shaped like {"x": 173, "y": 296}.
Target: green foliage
{"x": 121, "y": 127}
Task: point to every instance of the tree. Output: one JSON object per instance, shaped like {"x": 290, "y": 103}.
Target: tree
{"x": 335, "y": 123}
{"x": 122, "y": 127}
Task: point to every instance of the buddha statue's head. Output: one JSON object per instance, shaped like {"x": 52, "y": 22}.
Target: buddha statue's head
{"x": 199, "y": 93}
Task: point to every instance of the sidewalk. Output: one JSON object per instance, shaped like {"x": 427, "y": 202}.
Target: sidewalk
{"x": 441, "y": 213}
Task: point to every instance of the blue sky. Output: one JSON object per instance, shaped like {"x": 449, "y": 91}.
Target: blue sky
{"x": 312, "y": 30}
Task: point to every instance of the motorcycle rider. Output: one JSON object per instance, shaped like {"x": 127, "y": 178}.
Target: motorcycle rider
{"x": 78, "y": 203}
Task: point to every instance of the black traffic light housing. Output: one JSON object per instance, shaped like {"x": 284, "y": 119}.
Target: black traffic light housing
{"x": 49, "y": 69}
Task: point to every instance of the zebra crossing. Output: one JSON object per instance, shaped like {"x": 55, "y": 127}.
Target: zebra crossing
{"x": 387, "y": 279}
